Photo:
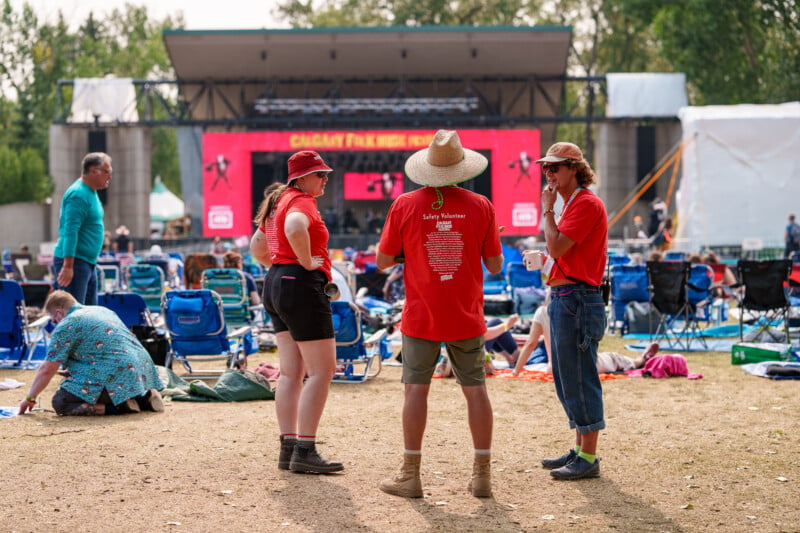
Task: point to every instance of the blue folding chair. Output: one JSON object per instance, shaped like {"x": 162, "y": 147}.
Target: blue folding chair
{"x": 148, "y": 282}
{"x": 357, "y": 358}
{"x": 629, "y": 283}
{"x": 129, "y": 307}
{"x": 195, "y": 322}
{"x": 231, "y": 285}
{"x": 17, "y": 339}
{"x": 525, "y": 287}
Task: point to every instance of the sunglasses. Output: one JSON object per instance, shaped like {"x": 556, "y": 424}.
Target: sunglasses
{"x": 547, "y": 169}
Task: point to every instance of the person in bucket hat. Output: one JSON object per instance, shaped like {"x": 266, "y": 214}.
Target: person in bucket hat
{"x": 292, "y": 241}
{"x": 442, "y": 232}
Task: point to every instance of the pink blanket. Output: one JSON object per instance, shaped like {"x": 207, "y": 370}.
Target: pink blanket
{"x": 664, "y": 366}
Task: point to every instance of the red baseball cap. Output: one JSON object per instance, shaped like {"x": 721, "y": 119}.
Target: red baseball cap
{"x": 305, "y": 163}
{"x": 561, "y": 151}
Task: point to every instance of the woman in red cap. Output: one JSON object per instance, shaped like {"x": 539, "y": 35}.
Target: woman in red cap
{"x": 292, "y": 241}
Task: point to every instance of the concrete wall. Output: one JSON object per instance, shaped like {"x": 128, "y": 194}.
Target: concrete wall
{"x": 24, "y": 223}
{"x": 616, "y": 156}
{"x": 128, "y": 195}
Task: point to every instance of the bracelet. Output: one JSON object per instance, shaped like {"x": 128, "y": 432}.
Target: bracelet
{"x": 549, "y": 211}
{"x": 32, "y": 400}
{"x": 505, "y": 326}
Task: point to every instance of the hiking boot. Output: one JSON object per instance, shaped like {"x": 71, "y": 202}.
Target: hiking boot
{"x": 307, "y": 460}
{"x": 480, "y": 485}
{"x": 558, "y": 462}
{"x": 406, "y": 482}
{"x": 128, "y": 406}
{"x": 287, "y": 449}
{"x": 578, "y": 469}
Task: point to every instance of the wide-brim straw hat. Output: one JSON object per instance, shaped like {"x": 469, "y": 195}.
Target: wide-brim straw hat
{"x": 444, "y": 162}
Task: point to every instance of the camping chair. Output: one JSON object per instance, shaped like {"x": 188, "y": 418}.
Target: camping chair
{"x": 629, "y": 283}
{"x": 699, "y": 291}
{"x": 109, "y": 277}
{"x": 35, "y": 272}
{"x": 668, "y": 286}
{"x": 353, "y": 352}
{"x": 130, "y": 307}
{"x": 764, "y": 296}
{"x": 525, "y": 287}
{"x": 36, "y": 293}
{"x": 17, "y": 339}
{"x": 231, "y": 285}
{"x": 195, "y": 322}
{"x": 148, "y": 282}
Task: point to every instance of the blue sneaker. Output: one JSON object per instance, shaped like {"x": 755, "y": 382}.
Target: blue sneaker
{"x": 580, "y": 468}
{"x": 558, "y": 462}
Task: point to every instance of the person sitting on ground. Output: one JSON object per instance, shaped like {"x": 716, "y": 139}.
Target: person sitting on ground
{"x": 728, "y": 277}
{"x": 107, "y": 369}
{"x": 607, "y": 362}
{"x": 231, "y": 259}
{"x": 498, "y": 341}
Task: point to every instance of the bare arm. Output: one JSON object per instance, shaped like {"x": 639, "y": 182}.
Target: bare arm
{"x": 296, "y": 229}
{"x": 42, "y": 379}
{"x": 384, "y": 261}
{"x": 259, "y": 248}
{"x": 493, "y": 264}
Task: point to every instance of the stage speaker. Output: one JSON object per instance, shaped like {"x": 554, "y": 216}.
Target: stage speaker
{"x": 97, "y": 143}
{"x": 646, "y": 156}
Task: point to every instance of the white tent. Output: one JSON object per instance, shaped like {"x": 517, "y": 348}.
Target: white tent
{"x": 740, "y": 174}
{"x": 164, "y": 205}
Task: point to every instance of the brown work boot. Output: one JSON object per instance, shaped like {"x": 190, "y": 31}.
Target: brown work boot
{"x": 481, "y": 483}
{"x": 406, "y": 482}
{"x": 287, "y": 449}
{"x": 307, "y": 460}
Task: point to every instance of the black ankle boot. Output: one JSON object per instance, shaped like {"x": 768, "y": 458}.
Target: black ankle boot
{"x": 306, "y": 459}
{"x": 287, "y": 449}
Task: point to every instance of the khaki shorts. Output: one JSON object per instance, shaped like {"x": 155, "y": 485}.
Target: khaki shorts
{"x": 466, "y": 356}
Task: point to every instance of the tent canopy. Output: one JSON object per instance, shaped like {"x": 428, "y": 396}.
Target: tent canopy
{"x": 741, "y": 174}
{"x": 164, "y": 205}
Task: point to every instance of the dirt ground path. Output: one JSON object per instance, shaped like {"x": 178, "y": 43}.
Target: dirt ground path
{"x": 715, "y": 454}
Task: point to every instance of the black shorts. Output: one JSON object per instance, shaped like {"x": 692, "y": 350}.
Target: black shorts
{"x": 295, "y": 300}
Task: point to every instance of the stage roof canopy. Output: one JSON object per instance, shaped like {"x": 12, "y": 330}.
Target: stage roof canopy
{"x": 369, "y": 52}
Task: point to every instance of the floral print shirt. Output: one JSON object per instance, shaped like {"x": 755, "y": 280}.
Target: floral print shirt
{"x": 100, "y": 352}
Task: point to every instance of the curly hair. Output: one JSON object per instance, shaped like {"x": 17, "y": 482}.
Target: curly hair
{"x": 584, "y": 174}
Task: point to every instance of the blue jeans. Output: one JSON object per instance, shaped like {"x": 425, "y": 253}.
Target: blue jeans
{"x": 577, "y": 323}
{"x": 84, "y": 280}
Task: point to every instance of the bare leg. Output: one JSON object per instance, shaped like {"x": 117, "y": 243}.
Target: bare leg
{"x": 479, "y": 410}
{"x": 290, "y": 383}
{"x": 319, "y": 359}
{"x": 588, "y": 442}
{"x": 415, "y": 415}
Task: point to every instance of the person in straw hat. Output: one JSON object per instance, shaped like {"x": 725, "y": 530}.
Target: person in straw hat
{"x": 442, "y": 232}
{"x": 292, "y": 240}
{"x": 577, "y": 243}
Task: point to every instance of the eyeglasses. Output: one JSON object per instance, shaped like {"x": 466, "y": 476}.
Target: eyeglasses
{"x": 104, "y": 170}
{"x": 547, "y": 169}
{"x": 322, "y": 174}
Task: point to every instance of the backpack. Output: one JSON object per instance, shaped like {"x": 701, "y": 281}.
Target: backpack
{"x": 794, "y": 232}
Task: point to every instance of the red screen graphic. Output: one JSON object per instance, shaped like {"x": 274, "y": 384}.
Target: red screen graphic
{"x": 227, "y": 176}
{"x": 372, "y": 185}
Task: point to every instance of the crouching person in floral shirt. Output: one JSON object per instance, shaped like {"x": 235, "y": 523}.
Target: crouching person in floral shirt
{"x": 107, "y": 370}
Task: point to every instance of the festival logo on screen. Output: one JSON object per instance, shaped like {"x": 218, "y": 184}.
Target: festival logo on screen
{"x": 524, "y": 215}
{"x": 220, "y": 217}
{"x": 372, "y": 185}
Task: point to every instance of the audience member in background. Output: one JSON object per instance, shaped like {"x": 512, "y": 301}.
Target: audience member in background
{"x": 108, "y": 372}
{"x": 791, "y": 237}
{"x": 728, "y": 277}
{"x": 80, "y": 230}
{"x": 663, "y": 237}
{"x": 655, "y": 255}
{"x": 122, "y": 243}
{"x": 292, "y": 240}
{"x": 233, "y": 259}
{"x": 499, "y": 341}
{"x": 217, "y": 247}
{"x": 394, "y": 288}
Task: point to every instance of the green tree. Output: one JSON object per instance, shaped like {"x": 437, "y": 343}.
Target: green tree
{"x": 10, "y": 175}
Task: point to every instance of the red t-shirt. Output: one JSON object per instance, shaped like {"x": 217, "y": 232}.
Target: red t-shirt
{"x": 443, "y": 251}
{"x": 281, "y": 252}
{"x": 585, "y": 222}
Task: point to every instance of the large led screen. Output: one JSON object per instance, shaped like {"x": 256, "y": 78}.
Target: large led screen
{"x": 228, "y": 172}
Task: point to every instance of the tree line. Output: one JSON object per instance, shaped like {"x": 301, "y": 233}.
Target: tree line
{"x": 737, "y": 51}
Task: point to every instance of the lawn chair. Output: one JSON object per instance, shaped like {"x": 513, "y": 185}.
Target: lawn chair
{"x": 195, "y": 323}
{"x": 765, "y": 298}
{"x": 231, "y": 285}
{"x": 669, "y": 284}
{"x": 357, "y": 359}
{"x": 130, "y": 307}
{"x": 629, "y": 283}
{"x": 17, "y": 336}
{"x": 699, "y": 291}
{"x": 148, "y": 282}
{"x": 525, "y": 287}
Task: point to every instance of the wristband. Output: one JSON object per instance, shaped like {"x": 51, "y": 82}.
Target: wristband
{"x": 32, "y": 400}
{"x": 505, "y": 326}
{"x": 549, "y": 211}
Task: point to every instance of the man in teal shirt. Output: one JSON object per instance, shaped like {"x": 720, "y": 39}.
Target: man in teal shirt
{"x": 80, "y": 230}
